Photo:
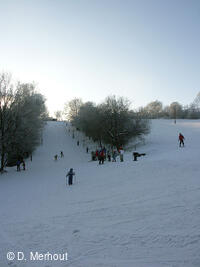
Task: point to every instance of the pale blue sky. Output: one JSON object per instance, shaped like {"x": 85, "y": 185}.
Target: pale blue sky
{"x": 140, "y": 49}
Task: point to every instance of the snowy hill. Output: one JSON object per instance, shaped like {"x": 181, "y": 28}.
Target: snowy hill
{"x": 123, "y": 214}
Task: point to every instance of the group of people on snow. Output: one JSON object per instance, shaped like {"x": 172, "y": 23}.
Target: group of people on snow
{"x": 102, "y": 154}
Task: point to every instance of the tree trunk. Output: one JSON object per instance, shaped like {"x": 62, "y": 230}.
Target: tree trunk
{"x": 2, "y": 159}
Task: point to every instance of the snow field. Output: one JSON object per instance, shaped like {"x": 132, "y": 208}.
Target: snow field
{"x": 123, "y": 214}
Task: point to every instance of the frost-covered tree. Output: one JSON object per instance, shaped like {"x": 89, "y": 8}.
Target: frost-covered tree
{"x": 175, "y": 110}
{"x": 30, "y": 112}
{"x": 22, "y": 112}
{"x": 196, "y": 101}
{"x": 111, "y": 122}
{"x": 72, "y": 108}
{"x": 7, "y": 97}
{"x": 58, "y": 114}
{"x": 194, "y": 108}
{"x": 154, "y": 109}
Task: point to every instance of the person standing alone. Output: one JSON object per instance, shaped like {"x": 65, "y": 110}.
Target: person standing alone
{"x": 181, "y": 139}
{"x": 70, "y": 174}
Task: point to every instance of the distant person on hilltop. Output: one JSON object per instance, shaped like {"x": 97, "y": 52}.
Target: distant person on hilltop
{"x": 181, "y": 139}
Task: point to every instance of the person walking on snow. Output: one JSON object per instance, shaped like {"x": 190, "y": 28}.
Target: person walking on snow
{"x": 121, "y": 151}
{"x": 109, "y": 155}
{"x": 70, "y": 174}
{"x": 101, "y": 157}
{"x": 181, "y": 139}
{"x": 61, "y": 154}
{"x": 114, "y": 156}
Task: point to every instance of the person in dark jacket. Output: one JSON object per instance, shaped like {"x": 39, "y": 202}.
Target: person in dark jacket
{"x": 181, "y": 139}
{"x": 70, "y": 174}
{"x": 109, "y": 155}
{"x": 18, "y": 165}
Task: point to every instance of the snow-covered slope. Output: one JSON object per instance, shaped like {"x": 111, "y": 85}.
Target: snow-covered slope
{"x": 123, "y": 214}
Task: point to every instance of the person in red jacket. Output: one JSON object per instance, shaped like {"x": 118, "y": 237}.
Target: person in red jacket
{"x": 101, "y": 157}
{"x": 181, "y": 139}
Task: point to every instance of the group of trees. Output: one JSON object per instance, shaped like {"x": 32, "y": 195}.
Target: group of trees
{"x": 174, "y": 111}
{"x": 111, "y": 122}
{"x": 22, "y": 113}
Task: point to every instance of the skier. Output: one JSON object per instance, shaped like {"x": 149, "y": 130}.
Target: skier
{"x": 61, "y": 154}
{"x": 18, "y": 165}
{"x": 181, "y": 138}
{"x": 87, "y": 149}
{"x": 70, "y": 174}
{"x": 77, "y": 143}
{"x": 56, "y": 157}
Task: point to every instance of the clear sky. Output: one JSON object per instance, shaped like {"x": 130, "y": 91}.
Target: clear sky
{"x": 140, "y": 49}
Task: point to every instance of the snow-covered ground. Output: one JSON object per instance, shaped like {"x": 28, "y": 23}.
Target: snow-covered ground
{"x": 123, "y": 214}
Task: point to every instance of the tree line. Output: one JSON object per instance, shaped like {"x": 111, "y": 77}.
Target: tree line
{"x": 22, "y": 113}
{"x": 174, "y": 111}
{"x": 112, "y": 122}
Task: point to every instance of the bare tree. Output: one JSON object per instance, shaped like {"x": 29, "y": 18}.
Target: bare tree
{"x": 22, "y": 111}
{"x": 6, "y": 115}
{"x": 72, "y": 108}
{"x": 175, "y": 110}
{"x": 58, "y": 114}
{"x": 154, "y": 109}
{"x": 111, "y": 122}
